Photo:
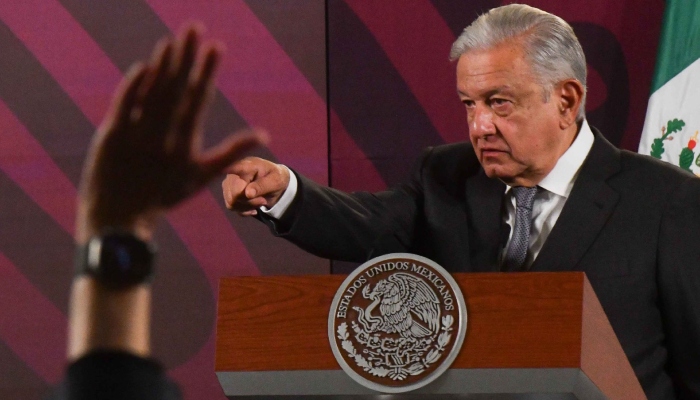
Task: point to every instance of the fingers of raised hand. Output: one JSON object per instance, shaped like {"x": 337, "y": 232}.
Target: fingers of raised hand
{"x": 172, "y": 99}
{"x": 172, "y": 76}
{"x": 158, "y": 81}
{"x": 199, "y": 93}
{"x": 125, "y": 100}
{"x": 185, "y": 53}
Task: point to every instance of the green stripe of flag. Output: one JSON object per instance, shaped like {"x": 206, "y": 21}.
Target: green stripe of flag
{"x": 680, "y": 40}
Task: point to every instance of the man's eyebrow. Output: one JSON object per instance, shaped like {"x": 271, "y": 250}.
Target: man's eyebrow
{"x": 500, "y": 89}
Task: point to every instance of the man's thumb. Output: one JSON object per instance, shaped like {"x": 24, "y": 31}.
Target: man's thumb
{"x": 252, "y": 190}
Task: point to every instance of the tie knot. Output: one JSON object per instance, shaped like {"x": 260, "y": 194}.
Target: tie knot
{"x": 524, "y": 196}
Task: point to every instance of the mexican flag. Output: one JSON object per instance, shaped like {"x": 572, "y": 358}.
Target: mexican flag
{"x": 673, "y": 115}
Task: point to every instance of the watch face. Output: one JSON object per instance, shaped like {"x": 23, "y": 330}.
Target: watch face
{"x": 121, "y": 255}
{"x": 119, "y": 260}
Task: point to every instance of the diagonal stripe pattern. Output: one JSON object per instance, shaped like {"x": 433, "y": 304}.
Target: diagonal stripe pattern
{"x": 355, "y": 110}
{"x": 519, "y": 242}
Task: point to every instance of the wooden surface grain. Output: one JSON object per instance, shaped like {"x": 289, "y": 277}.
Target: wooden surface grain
{"x": 275, "y": 323}
{"x": 527, "y": 320}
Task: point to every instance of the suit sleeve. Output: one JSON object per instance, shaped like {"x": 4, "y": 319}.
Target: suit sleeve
{"x": 679, "y": 287}
{"x": 352, "y": 226}
{"x": 114, "y": 375}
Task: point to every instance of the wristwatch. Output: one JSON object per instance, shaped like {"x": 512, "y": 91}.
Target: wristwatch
{"x": 117, "y": 259}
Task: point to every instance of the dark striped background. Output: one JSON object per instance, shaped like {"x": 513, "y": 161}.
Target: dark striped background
{"x": 350, "y": 91}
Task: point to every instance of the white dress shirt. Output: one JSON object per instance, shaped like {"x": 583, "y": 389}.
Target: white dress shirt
{"x": 551, "y": 195}
{"x": 285, "y": 200}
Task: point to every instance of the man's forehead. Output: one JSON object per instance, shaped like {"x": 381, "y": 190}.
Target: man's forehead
{"x": 500, "y": 68}
{"x": 491, "y": 79}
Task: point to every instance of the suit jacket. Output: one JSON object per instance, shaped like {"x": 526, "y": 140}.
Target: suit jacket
{"x": 630, "y": 223}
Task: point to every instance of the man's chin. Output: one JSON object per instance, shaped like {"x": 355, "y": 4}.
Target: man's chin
{"x": 498, "y": 172}
{"x": 510, "y": 178}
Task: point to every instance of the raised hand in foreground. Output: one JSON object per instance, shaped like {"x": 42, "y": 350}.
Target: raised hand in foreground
{"x": 147, "y": 156}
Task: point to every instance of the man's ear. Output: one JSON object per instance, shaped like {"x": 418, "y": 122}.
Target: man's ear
{"x": 569, "y": 98}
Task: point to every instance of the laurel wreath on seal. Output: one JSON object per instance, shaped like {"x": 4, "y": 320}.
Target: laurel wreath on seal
{"x": 399, "y": 373}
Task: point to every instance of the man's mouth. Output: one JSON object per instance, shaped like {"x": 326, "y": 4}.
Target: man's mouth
{"x": 491, "y": 151}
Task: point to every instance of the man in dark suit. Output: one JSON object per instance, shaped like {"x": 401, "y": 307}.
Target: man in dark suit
{"x": 535, "y": 189}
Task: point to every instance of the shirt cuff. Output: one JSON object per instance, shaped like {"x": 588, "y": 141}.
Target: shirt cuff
{"x": 285, "y": 200}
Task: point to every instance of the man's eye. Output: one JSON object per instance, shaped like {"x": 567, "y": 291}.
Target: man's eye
{"x": 468, "y": 103}
{"x": 501, "y": 107}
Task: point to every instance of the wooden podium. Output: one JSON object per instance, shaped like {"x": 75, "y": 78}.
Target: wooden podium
{"x": 529, "y": 336}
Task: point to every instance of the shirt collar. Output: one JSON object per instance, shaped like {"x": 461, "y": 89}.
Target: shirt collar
{"x": 561, "y": 178}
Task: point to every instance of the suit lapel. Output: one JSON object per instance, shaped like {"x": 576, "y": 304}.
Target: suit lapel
{"x": 484, "y": 209}
{"x": 590, "y": 204}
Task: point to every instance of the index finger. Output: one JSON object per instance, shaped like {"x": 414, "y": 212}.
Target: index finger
{"x": 232, "y": 187}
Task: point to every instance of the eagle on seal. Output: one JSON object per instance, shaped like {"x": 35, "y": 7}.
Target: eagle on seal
{"x": 407, "y": 305}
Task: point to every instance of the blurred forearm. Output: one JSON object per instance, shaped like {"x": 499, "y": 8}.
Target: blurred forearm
{"x": 107, "y": 319}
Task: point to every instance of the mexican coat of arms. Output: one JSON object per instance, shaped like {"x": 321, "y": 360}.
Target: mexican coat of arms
{"x": 397, "y": 323}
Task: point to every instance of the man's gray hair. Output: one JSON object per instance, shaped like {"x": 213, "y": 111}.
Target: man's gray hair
{"x": 550, "y": 45}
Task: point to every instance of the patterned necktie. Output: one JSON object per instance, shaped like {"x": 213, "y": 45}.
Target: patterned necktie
{"x": 519, "y": 242}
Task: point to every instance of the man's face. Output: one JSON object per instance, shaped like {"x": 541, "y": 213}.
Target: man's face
{"x": 517, "y": 136}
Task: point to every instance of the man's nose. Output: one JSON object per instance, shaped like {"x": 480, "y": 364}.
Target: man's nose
{"x": 482, "y": 123}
